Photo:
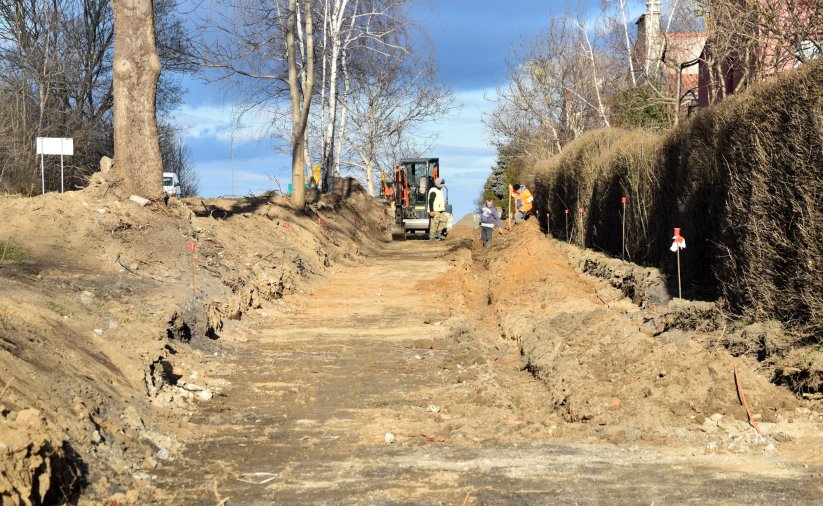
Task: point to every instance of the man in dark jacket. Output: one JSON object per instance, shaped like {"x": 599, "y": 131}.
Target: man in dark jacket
{"x": 489, "y": 217}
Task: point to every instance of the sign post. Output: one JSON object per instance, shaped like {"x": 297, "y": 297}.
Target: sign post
{"x": 511, "y": 189}
{"x": 623, "y": 251}
{"x": 678, "y": 244}
{"x": 54, "y": 146}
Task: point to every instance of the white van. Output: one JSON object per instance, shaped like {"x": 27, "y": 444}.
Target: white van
{"x": 171, "y": 184}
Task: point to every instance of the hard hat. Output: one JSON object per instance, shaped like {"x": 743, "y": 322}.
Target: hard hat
{"x": 439, "y": 181}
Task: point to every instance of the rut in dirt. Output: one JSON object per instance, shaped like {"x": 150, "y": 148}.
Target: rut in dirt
{"x": 407, "y": 344}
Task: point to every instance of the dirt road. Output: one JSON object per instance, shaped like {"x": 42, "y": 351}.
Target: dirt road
{"x": 316, "y": 382}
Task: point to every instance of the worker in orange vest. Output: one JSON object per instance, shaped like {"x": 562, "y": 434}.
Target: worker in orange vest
{"x": 523, "y": 200}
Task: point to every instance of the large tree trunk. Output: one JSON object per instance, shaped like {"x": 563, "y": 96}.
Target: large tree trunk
{"x": 299, "y": 109}
{"x": 136, "y": 71}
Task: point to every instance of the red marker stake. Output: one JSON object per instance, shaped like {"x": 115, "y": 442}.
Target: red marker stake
{"x": 623, "y": 251}
{"x": 192, "y": 248}
{"x": 679, "y": 286}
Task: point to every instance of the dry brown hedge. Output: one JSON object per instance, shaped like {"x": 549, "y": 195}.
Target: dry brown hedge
{"x": 744, "y": 182}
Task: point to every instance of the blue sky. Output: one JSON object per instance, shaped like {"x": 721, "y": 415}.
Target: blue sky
{"x": 471, "y": 38}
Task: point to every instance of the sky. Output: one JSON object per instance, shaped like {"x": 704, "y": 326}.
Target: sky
{"x": 471, "y": 38}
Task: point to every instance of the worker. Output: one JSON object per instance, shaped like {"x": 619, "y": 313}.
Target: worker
{"x": 523, "y": 202}
{"x": 489, "y": 216}
{"x": 436, "y": 205}
{"x": 389, "y": 193}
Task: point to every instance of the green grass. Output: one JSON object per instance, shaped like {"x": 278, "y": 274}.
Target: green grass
{"x": 12, "y": 253}
{"x": 60, "y": 309}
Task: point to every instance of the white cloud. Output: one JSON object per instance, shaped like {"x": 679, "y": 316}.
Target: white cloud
{"x": 251, "y": 175}
{"x": 222, "y": 123}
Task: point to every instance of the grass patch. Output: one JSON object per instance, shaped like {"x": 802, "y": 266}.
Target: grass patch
{"x": 60, "y": 309}
{"x": 12, "y": 253}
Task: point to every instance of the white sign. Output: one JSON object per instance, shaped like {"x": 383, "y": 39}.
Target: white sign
{"x": 55, "y": 146}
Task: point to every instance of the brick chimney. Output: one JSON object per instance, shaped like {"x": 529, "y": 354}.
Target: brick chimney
{"x": 653, "y": 40}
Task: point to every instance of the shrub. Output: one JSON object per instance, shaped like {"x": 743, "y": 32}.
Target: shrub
{"x": 744, "y": 182}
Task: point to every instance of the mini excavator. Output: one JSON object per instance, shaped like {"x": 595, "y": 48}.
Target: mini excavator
{"x": 413, "y": 177}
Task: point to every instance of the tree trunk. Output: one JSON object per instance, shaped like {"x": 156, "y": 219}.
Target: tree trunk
{"x": 345, "y": 101}
{"x": 595, "y": 81}
{"x": 136, "y": 71}
{"x": 370, "y": 177}
{"x": 338, "y": 15}
{"x": 628, "y": 44}
{"x": 299, "y": 109}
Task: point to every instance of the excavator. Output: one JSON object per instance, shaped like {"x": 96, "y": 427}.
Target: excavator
{"x": 413, "y": 177}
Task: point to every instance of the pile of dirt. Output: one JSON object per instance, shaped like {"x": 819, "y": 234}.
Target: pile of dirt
{"x": 36, "y": 465}
{"x": 468, "y": 221}
{"x": 643, "y": 285}
{"x": 787, "y": 358}
{"x": 624, "y": 372}
{"x": 109, "y": 314}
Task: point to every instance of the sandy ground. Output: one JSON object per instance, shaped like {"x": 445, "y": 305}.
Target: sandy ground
{"x": 423, "y": 362}
{"x": 317, "y": 363}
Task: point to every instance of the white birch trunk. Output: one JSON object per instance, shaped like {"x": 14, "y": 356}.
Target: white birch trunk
{"x": 370, "y": 177}
{"x": 628, "y": 43}
{"x": 600, "y": 107}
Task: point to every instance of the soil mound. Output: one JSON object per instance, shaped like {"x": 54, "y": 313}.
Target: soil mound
{"x": 629, "y": 372}
{"x": 36, "y": 465}
{"x": 110, "y": 312}
{"x": 468, "y": 221}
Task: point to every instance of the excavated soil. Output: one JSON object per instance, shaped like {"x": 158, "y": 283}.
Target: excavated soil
{"x": 316, "y": 363}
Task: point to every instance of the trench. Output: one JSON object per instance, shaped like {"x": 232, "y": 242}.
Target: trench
{"x": 318, "y": 382}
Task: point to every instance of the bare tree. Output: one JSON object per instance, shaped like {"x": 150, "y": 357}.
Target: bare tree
{"x": 349, "y": 26}
{"x": 301, "y": 95}
{"x": 269, "y": 47}
{"x": 552, "y": 92}
{"x": 751, "y": 40}
{"x": 389, "y": 103}
{"x": 56, "y": 81}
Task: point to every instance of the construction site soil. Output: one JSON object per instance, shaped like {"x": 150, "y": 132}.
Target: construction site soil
{"x": 303, "y": 357}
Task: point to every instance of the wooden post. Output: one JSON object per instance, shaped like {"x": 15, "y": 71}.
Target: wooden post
{"x": 510, "y": 206}
{"x": 568, "y": 239}
{"x": 679, "y": 287}
{"x": 677, "y": 241}
{"x": 192, "y": 248}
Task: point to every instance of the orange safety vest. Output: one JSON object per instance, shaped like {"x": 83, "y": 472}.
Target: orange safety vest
{"x": 524, "y": 200}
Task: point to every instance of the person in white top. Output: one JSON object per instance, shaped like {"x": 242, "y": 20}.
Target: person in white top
{"x": 489, "y": 217}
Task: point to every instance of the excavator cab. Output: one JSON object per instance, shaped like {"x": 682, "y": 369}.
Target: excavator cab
{"x": 413, "y": 177}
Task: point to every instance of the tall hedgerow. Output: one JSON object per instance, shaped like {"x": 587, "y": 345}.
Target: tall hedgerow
{"x": 742, "y": 180}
